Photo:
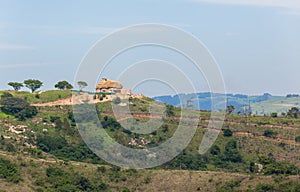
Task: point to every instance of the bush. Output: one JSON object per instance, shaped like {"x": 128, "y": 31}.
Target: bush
{"x": 169, "y": 110}
{"x": 103, "y": 186}
{"x": 274, "y": 115}
{"x": 269, "y": 133}
{"x": 49, "y": 143}
{"x": 231, "y": 152}
{"x": 165, "y": 128}
{"x": 9, "y": 171}
{"x": 263, "y": 187}
{"x": 215, "y": 150}
{"x": 229, "y": 186}
{"x": 227, "y": 133}
{"x": 101, "y": 169}
{"x": 64, "y": 180}
{"x": 54, "y": 118}
{"x": 278, "y": 168}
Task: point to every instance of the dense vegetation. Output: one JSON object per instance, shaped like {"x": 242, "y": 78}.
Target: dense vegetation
{"x": 9, "y": 171}
{"x": 17, "y": 107}
{"x": 245, "y": 143}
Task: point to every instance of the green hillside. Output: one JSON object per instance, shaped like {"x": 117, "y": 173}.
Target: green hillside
{"x": 46, "y": 153}
{"x": 279, "y": 106}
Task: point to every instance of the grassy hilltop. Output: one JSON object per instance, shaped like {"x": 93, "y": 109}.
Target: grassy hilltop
{"x": 46, "y": 153}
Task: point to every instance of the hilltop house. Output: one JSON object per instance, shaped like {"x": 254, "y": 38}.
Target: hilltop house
{"x": 112, "y": 87}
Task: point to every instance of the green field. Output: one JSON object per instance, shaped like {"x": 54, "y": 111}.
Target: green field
{"x": 278, "y": 106}
{"x": 43, "y": 96}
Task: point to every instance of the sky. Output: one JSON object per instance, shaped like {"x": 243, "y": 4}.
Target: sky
{"x": 256, "y": 43}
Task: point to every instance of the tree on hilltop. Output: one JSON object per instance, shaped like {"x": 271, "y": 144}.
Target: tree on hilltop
{"x": 82, "y": 85}
{"x": 33, "y": 84}
{"x": 17, "y": 86}
{"x": 63, "y": 85}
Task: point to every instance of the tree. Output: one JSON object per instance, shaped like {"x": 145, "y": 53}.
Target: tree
{"x": 274, "y": 115}
{"x": 252, "y": 167}
{"x": 82, "y": 85}
{"x": 215, "y": 150}
{"x": 227, "y": 133}
{"x": 229, "y": 109}
{"x": 297, "y": 139}
{"x": 165, "y": 128}
{"x": 17, "y": 86}
{"x": 63, "y": 85}
{"x": 33, "y": 84}
{"x": 231, "y": 152}
{"x": 170, "y": 110}
{"x": 293, "y": 112}
{"x": 269, "y": 133}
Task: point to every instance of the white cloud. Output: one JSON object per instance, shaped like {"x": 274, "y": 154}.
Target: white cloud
{"x": 14, "y": 47}
{"x": 290, "y": 4}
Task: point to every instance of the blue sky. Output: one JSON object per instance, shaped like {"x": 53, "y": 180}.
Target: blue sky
{"x": 255, "y": 42}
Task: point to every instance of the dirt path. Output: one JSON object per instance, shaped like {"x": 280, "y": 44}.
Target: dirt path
{"x": 67, "y": 101}
{"x": 267, "y": 138}
{"x": 79, "y": 99}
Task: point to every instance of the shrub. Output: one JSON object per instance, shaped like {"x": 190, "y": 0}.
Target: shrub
{"x": 103, "y": 186}
{"x": 165, "y": 128}
{"x": 101, "y": 169}
{"x": 169, "y": 110}
{"x": 49, "y": 143}
{"x": 125, "y": 189}
{"x": 215, "y": 150}
{"x": 269, "y": 133}
{"x": 231, "y": 152}
{"x": 64, "y": 180}
{"x": 227, "y": 133}
{"x": 262, "y": 187}
{"x": 54, "y": 118}
{"x": 10, "y": 147}
{"x": 9, "y": 171}
{"x": 274, "y": 115}
{"x": 147, "y": 180}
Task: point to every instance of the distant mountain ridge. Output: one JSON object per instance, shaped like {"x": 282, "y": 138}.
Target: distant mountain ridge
{"x": 241, "y": 102}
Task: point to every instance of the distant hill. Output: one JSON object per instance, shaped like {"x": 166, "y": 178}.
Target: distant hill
{"x": 242, "y": 103}
{"x": 280, "y": 105}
